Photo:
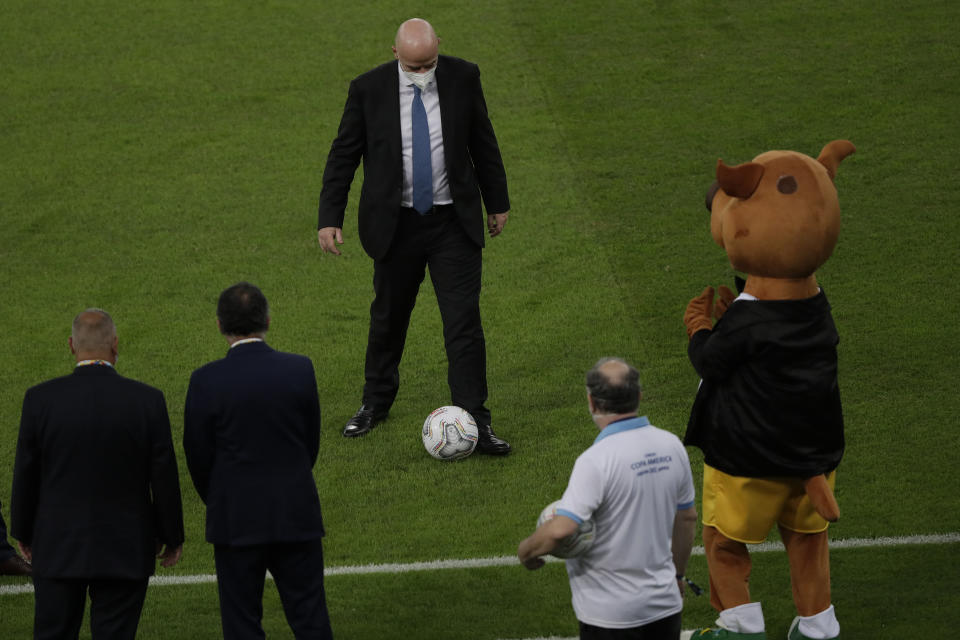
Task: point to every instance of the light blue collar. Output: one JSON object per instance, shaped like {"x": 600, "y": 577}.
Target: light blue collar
{"x": 622, "y": 425}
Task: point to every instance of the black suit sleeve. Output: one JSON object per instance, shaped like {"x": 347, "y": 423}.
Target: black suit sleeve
{"x": 343, "y": 160}
{"x": 717, "y": 353}
{"x": 164, "y": 478}
{"x": 485, "y": 152}
{"x": 198, "y": 438}
{"x": 26, "y": 476}
{"x": 313, "y": 418}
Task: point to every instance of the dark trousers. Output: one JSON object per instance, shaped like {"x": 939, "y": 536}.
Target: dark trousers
{"x": 297, "y": 570}
{"x": 438, "y": 242}
{"x": 115, "y": 607}
{"x": 663, "y": 629}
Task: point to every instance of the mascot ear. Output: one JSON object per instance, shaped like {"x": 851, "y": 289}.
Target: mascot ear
{"x": 739, "y": 181}
{"x": 833, "y": 154}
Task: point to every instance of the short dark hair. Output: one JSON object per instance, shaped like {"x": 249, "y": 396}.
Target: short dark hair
{"x": 614, "y": 394}
{"x": 243, "y": 310}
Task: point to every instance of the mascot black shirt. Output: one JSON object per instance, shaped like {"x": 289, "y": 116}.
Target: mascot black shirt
{"x": 768, "y": 403}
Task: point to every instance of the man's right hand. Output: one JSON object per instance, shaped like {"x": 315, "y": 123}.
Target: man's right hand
{"x": 329, "y": 238}
{"x": 26, "y": 551}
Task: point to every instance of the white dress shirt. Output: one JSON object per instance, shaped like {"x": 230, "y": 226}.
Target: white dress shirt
{"x": 431, "y": 103}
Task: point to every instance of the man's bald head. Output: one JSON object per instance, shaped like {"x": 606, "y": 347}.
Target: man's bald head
{"x": 614, "y": 386}
{"x": 416, "y": 46}
{"x": 94, "y": 335}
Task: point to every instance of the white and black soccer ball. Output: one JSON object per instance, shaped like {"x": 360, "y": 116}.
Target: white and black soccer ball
{"x": 449, "y": 433}
{"x": 575, "y": 544}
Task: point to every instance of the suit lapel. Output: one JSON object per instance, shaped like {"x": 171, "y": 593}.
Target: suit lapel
{"x": 391, "y": 102}
{"x": 446, "y": 93}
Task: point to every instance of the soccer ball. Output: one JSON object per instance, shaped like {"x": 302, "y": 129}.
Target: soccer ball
{"x": 573, "y": 545}
{"x": 449, "y": 433}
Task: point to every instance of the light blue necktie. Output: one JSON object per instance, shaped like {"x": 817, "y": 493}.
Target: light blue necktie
{"x": 422, "y": 166}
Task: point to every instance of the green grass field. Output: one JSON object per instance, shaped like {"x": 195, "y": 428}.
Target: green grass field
{"x": 152, "y": 154}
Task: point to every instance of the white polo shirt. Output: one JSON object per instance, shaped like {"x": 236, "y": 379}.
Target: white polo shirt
{"x": 630, "y": 482}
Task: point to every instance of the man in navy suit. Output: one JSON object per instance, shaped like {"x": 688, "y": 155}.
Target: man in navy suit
{"x": 430, "y": 155}
{"x": 251, "y": 434}
{"x": 96, "y": 492}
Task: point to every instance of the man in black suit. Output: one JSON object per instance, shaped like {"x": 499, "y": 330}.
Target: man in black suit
{"x": 96, "y": 493}
{"x": 251, "y": 434}
{"x": 429, "y": 154}
{"x": 10, "y": 563}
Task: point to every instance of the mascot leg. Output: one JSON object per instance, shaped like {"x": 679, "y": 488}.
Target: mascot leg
{"x": 809, "y": 557}
{"x": 729, "y": 564}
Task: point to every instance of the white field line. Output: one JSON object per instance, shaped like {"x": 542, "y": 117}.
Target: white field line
{"x": 504, "y": 561}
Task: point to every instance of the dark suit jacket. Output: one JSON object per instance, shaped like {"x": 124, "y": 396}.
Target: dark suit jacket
{"x": 251, "y": 433}
{"x": 769, "y": 403}
{"x": 95, "y": 483}
{"x": 370, "y": 129}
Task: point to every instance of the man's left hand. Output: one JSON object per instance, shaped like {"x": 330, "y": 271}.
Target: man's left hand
{"x": 169, "y": 556}
{"x": 496, "y": 222}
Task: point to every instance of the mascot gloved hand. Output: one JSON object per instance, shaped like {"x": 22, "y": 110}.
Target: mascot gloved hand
{"x": 697, "y": 315}
{"x": 767, "y": 415}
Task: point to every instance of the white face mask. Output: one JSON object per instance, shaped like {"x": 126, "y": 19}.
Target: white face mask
{"x": 421, "y": 79}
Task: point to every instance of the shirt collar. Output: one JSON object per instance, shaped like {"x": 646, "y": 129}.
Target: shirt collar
{"x": 87, "y": 363}
{"x": 620, "y": 426}
{"x": 404, "y": 80}
{"x": 752, "y": 298}
{"x": 245, "y": 341}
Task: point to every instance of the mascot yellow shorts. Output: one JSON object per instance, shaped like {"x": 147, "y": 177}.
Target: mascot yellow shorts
{"x": 745, "y": 509}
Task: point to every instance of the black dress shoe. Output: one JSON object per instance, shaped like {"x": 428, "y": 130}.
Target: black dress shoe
{"x": 15, "y": 566}
{"x": 365, "y": 419}
{"x": 489, "y": 443}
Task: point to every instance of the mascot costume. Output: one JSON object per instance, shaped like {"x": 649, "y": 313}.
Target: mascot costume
{"x": 767, "y": 414}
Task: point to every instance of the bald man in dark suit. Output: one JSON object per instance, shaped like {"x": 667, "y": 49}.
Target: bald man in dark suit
{"x": 430, "y": 155}
{"x": 96, "y": 492}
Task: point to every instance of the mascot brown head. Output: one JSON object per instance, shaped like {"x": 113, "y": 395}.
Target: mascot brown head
{"x": 778, "y": 217}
